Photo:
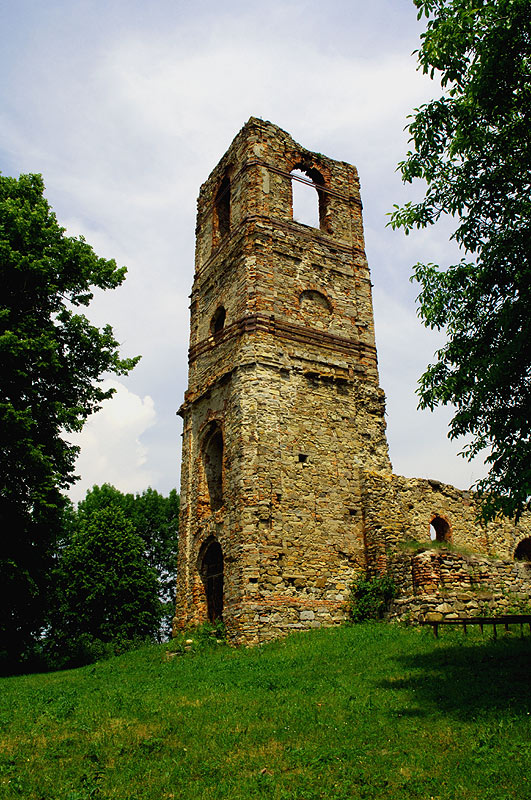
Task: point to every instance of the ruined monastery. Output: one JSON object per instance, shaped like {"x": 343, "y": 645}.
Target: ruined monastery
{"x": 287, "y": 490}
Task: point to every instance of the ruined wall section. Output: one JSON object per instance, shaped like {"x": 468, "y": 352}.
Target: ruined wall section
{"x": 477, "y": 574}
{"x": 402, "y": 509}
{"x": 446, "y": 585}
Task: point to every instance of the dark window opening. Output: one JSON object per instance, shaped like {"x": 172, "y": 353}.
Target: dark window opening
{"x": 211, "y": 571}
{"x": 308, "y": 197}
{"x": 222, "y": 206}
{"x": 523, "y": 551}
{"x": 217, "y": 323}
{"x": 213, "y": 464}
{"x": 439, "y": 529}
{"x": 303, "y": 458}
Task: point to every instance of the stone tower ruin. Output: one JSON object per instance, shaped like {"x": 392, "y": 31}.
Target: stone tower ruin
{"x": 287, "y": 492}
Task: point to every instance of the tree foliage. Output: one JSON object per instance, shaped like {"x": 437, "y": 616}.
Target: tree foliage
{"x": 371, "y": 597}
{"x": 109, "y": 544}
{"x": 155, "y": 519}
{"x": 105, "y": 592}
{"x": 51, "y": 360}
{"x": 472, "y": 148}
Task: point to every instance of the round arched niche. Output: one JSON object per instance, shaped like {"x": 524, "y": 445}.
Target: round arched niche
{"x": 440, "y": 530}
{"x": 315, "y": 308}
{"x": 217, "y": 323}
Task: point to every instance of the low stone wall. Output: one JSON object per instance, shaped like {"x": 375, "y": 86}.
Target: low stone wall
{"x": 446, "y": 584}
{"x": 433, "y": 608}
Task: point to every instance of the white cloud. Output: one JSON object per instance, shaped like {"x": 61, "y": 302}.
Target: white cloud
{"x": 111, "y": 450}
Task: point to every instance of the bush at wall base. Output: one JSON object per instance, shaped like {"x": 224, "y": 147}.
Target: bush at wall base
{"x": 370, "y": 597}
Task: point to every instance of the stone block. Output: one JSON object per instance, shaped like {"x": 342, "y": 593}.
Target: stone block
{"x": 444, "y": 608}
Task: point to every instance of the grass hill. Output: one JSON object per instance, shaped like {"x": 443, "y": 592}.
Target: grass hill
{"x": 368, "y": 711}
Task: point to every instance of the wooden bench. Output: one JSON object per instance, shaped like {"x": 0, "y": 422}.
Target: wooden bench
{"x": 505, "y": 620}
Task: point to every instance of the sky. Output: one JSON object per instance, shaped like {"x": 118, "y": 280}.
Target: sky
{"x": 126, "y": 106}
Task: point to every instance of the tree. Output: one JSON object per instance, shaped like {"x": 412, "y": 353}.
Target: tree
{"x": 472, "y": 148}
{"x": 111, "y": 543}
{"x": 105, "y": 591}
{"x": 155, "y": 519}
{"x": 51, "y": 360}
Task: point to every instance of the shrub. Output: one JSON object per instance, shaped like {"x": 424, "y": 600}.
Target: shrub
{"x": 370, "y": 597}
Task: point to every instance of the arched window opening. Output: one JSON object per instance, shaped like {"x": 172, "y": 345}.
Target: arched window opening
{"x": 213, "y": 464}
{"x": 222, "y": 207}
{"x": 211, "y": 571}
{"x": 308, "y": 199}
{"x": 439, "y": 529}
{"x": 523, "y": 551}
{"x": 217, "y": 323}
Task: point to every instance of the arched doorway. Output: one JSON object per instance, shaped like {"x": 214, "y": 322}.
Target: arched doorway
{"x": 523, "y": 551}
{"x": 211, "y": 571}
{"x": 213, "y": 465}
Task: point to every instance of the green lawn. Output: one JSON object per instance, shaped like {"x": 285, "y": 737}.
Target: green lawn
{"x": 369, "y": 711}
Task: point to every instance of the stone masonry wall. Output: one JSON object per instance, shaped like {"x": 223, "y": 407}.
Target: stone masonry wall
{"x": 283, "y": 371}
{"x": 484, "y": 578}
{"x": 447, "y": 585}
{"x": 398, "y": 510}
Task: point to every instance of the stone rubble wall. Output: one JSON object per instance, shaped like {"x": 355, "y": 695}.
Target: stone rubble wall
{"x": 438, "y": 583}
{"x": 400, "y": 510}
{"x": 446, "y": 585}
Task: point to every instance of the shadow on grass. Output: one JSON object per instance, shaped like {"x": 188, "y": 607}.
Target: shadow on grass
{"x": 468, "y": 680}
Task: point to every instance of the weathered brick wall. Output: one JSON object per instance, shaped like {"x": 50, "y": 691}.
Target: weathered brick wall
{"x": 287, "y": 493}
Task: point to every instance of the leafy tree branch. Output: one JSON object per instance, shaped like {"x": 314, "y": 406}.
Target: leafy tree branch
{"x": 471, "y": 147}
